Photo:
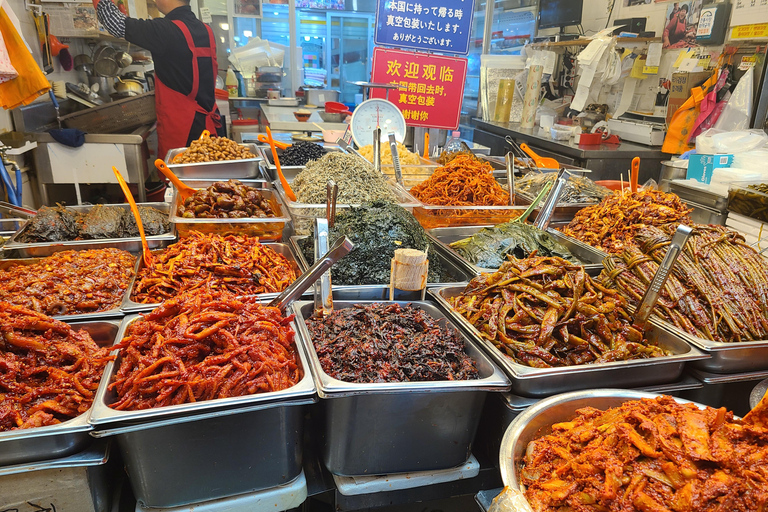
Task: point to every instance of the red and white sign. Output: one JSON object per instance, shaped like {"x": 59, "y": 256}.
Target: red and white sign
{"x": 432, "y": 86}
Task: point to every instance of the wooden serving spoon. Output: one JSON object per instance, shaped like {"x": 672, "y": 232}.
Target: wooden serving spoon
{"x": 183, "y": 189}
{"x": 283, "y": 181}
{"x": 135, "y": 209}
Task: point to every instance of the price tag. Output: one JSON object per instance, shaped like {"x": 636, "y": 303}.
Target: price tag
{"x": 205, "y": 15}
{"x": 748, "y": 62}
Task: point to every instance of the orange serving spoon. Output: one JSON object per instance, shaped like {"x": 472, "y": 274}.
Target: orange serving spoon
{"x": 278, "y": 144}
{"x": 541, "y": 161}
{"x": 634, "y": 174}
{"x": 183, "y": 189}
{"x": 135, "y": 209}
{"x": 426, "y": 144}
{"x": 283, "y": 181}
{"x": 204, "y": 135}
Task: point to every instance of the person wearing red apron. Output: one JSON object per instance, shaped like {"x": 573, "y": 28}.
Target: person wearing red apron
{"x": 184, "y": 53}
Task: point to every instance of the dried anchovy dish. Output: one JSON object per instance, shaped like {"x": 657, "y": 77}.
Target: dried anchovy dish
{"x": 546, "y": 312}
{"x": 204, "y": 345}
{"x": 649, "y": 455}
{"x": 358, "y": 181}
{"x": 388, "y": 343}
{"x": 578, "y": 190}
{"x": 612, "y": 224}
{"x": 48, "y": 371}
{"x": 226, "y": 200}
{"x": 718, "y": 289}
{"x": 70, "y": 282}
{"x": 239, "y": 264}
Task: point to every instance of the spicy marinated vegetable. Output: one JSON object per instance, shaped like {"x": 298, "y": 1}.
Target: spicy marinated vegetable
{"x": 751, "y": 201}
{"x": 388, "y": 343}
{"x": 226, "y": 200}
{"x": 546, "y": 312}
{"x": 462, "y": 182}
{"x": 718, "y": 289}
{"x": 376, "y": 229}
{"x": 492, "y": 246}
{"x": 239, "y": 264}
{"x": 203, "y": 345}
{"x": 612, "y": 224}
{"x": 649, "y": 455}
{"x": 70, "y": 282}
{"x": 358, "y": 181}
{"x": 50, "y": 371}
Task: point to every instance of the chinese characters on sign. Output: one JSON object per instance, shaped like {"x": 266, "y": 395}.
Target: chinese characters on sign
{"x": 432, "y": 86}
{"x": 432, "y": 25}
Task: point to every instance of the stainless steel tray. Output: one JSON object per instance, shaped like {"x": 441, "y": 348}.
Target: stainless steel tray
{"x": 63, "y": 439}
{"x": 17, "y": 249}
{"x": 452, "y": 266}
{"x": 537, "y": 420}
{"x": 202, "y": 451}
{"x": 539, "y": 382}
{"x": 222, "y": 170}
{"x": 591, "y": 257}
{"x": 744, "y": 356}
{"x": 383, "y": 428}
{"x": 129, "y": 306}
{"x": 289, "y": 171}
{"x": 698, "y": 195}
{"x": 266, "y": 228}
{"x": 563, "y": 212}
{"x": 110, "y": 313}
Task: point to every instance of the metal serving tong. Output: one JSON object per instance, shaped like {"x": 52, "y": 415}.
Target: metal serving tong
{"x": 377, "y": 149}
{"x": 350, "y": 150}
{"x": 341, "y": 248}
{"x": 323, "y": 292}
{"x": 548, "y": 208}
{"x": 520, "y": 153}
{"x": 653, "y": 292}
{"x": 17, "y": 210}
{"x": 509, "y": 159}
{"x": 395, "y": 158}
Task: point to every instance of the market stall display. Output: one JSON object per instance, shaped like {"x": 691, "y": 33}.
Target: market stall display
{"x": 68, "y": 282}
{"x": 211, "y": 149}
{"x": 60, "y": 223}
{"x": 226, "y": 200}
{"x": 750, "y": 200}
{"x": 560, "y": 315}
{"x": 718, "y": 290}
{"x": 446, "y": 156}
{"x": 50, "y": 370}
{"x": 492, "y": 246}
{"x": 240, "y": 264}
{"x": 387, "y": 342}
{"x": 578, "y": 190}
{"x": 377, "y": 229}
{"x": 654, "y": 452}
{"x": 612, "y": 224}
{"x": 201, "y": 346}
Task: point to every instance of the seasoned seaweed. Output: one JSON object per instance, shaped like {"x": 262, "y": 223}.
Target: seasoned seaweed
{"x": 490, "y": 247}
{"x": 377, "y": 229}
{"x": 102, "y": 222}
{"x": 52, "y": 224}
{"x": 155, "y": 222}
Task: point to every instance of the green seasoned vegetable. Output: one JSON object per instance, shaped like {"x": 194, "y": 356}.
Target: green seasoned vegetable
{"x": 376, "y": 229}
{"x": 489, "y": 247}
{"x": 752, "y": 204}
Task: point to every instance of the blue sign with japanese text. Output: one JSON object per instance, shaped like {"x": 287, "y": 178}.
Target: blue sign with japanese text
{"x": 431, "y": 25}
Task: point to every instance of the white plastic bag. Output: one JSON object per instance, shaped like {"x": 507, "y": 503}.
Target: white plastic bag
{"x": 510, "y": 500}
{"x": 713, "y": 141}
{"x": 738, "y": 111}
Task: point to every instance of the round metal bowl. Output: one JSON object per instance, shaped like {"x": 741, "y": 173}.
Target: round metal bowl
{"x": 537, "y": 420}
{"x": 330, "y": 117}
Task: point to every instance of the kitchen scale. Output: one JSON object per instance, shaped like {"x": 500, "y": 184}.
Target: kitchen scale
{"x": 376, "y": 112}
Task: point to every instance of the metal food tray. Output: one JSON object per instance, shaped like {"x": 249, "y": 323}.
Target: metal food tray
{"x": 62, "y": 439}
{"x": 539, "y": 382}
{"x": 129, "y": 306}
{"x": 132, "y": 244}
{"x": 417, "y": 426}
{"x": 221, "y": 169}
{"x": 266, "y": 228}
{"x": 5, "y": 264}
{"x": 589, "y": 256}
{"x": 537, "y": 420}
{"x": 194, "y": 452}
{"x": 289, "y": 171}
{"x": 452, "y": 266}
{"x": 698, "y": 195}
{"x": 742, "y": 356}
{"x": 563, "y": 212}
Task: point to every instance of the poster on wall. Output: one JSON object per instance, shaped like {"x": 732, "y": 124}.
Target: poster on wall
{"x": 680, "y": 24}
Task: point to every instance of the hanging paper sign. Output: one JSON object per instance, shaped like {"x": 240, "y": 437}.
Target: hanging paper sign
{"x": 432, "y": 86}
{"x": 432, "y": 25}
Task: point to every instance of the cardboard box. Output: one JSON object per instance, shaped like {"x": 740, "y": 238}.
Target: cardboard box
{"x": 680, "y": 89}
{"x": 700, "y": 167}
